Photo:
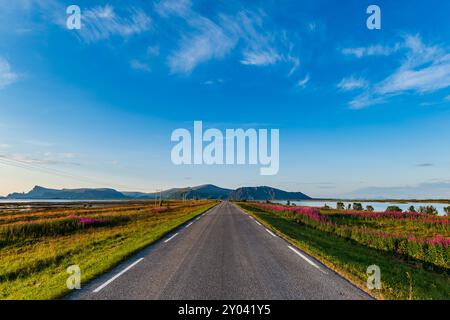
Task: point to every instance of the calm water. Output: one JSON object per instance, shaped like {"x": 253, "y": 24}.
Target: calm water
{"x": 378, "y": 206}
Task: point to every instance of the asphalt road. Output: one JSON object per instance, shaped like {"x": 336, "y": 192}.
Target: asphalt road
{"x": 224, "y": 254}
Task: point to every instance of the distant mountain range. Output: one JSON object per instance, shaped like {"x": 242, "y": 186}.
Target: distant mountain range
{"x": 207, "y": 191}
{"x": 68, "y": 194}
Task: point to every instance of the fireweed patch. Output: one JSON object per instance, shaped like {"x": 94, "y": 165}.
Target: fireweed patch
{"x": 376, "y": 230}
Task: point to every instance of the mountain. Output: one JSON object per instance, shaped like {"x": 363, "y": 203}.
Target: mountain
{"x": 139, "y": 195}
{"x": 69, "y": 194}
{"x": 206, "y": 191}
{"x": 266, "y": 193}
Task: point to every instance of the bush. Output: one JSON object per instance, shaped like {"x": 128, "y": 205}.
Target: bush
{"x": 357, "y": 206}
{"x": 447, "y": 210}
{"x": 370, "y": 208}
{"x": 428, "y": 210}
{"x": 393, "y": 209}
{"x": 340, "y": 206}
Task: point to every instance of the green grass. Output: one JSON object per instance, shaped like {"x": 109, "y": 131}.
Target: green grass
{"x": 400, "y": 279}
{"x": 35, "y": 267}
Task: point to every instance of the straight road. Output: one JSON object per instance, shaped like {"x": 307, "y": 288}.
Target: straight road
{"x": 224, "y": 254}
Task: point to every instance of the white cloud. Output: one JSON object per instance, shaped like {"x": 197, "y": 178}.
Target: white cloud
{"x": 211, "y": 38}
{"x": 374, "y": 50}
{"x": 365, "y": 100}
{"x": 424, "y": 69}
{"x": 5, "y": 145}
{"x": 303, "y": 82}
{"x": 213, "y": 82}
{"x": 139, "y": 65}
{"x": 352, "y": 83}
{"x": 295, "y": 62}
{"x": 208, "y": 41}
{"x": 173, "y": 7}
{"x": 260, "y": 58}
{"x": 312, "y": 26}
{"x": 153, "y": 51}
{"x": 102, "y": 22}
{"x": 7, "y": 76}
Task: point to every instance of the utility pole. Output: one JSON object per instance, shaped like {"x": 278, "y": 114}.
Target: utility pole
{"x": 160, "y": 196}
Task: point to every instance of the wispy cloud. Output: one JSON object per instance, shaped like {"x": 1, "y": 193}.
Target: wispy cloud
{"x": 260, "y": 58}
{"x": 7, "y": 76}
{"x": 303, "y": 82}
{"x": 215, "y": 37}
{"x": 103, "y": 22}
{"x": 423, "y": 165}
{"x": 423, "y": 69}
{"x": 42, "y": 159}
{"x": 352, "y": 83}
{"x": 139, "y": 65}
{"x": 173, "y": 7}
{"x": 374, "y": 50}
{"x": 426, "y": 69}
{"x": 153, "y": 51}
{"x": 208, "y": 41}
{"x": 213, "y": 82}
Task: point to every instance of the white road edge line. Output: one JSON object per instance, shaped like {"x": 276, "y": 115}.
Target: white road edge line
{"x": 171, "y": 237}
{"x": 117, "y": 275}
{"x": 271, "y": 233}
{"x": 257, "y": 222}
{"x": 188, "y": 225}
{"x": 306, "y": 258}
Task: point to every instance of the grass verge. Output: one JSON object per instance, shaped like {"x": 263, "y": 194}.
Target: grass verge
{"x": 400, "y": 279}
{"x": 36, "y": 268}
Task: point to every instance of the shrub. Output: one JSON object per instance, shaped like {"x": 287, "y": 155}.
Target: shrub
{"x": 370, "y": 208}
{"x": 393, "y": 209}
{"x": 357, "y": 206}
{"x": 447, "y": 210}
{"x": 340, "y": 206}
{"x": 428, "y": 210}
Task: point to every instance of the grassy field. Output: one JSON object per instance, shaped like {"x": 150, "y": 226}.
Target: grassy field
{"x": 36, "y": 246}
{"x": 412, "y": 252}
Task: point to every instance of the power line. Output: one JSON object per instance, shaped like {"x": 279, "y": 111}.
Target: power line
{"x": 35, "y": 167}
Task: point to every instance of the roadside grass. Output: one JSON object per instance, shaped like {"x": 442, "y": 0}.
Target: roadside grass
{"x": 35, "y": 267}
{"x": 401, "y": 279}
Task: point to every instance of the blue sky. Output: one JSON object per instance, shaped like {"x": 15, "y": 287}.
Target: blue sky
{"x": 361, "y": 112}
